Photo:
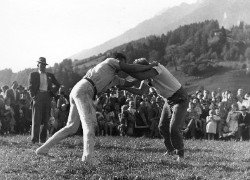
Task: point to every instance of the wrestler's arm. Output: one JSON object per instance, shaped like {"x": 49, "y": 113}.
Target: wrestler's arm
{"x": 145, "y": 74}
{"x": 143, "y": 89}
{"x": 133, "y": 68}
{"x": 131, "y": 83}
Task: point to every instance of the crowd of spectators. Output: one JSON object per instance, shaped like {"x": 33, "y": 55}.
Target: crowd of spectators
{"x": 210, "y": 115}
{"x": 218, "y": 115}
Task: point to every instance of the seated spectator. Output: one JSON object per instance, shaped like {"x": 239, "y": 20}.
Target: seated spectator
{"x": 244, "y": 124}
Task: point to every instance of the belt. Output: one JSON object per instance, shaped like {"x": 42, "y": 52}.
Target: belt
{"x": 93, "y": 84}
{"x": 178, "y": 97}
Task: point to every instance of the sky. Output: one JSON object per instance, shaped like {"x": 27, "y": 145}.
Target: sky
{"x": 57, "y": 29}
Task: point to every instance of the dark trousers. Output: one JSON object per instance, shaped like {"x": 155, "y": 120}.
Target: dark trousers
{"x": 41, "y": 108}
{"x": 171, "y": 122}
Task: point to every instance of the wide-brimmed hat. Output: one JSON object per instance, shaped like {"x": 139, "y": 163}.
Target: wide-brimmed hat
{"x": 42, "y": 60}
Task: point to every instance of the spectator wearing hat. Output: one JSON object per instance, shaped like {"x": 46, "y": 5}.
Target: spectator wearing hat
{"x": 41, "y": 91}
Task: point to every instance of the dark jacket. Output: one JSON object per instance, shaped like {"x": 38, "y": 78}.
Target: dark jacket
{"x": 34, "y": 83}
{"x": 10, "y": 94}
{"x": 245, "y": 120}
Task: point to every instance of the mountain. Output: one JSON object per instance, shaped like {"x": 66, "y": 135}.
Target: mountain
{"x": 227, "y": 12}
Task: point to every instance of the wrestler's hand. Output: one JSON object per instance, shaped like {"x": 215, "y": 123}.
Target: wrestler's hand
{"x": 154, "y": 63}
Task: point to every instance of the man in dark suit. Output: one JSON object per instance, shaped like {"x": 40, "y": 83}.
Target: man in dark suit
{"x": 244, "y": 124}
{"x": 14, "y": 97}
{"x": 41, "y": 90}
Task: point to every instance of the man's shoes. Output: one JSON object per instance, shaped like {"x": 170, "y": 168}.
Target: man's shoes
{"x": 168, "y": 153}
{"x": 177, "y": 155}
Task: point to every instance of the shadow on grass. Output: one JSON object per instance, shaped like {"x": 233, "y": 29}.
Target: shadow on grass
{"x": 221, "y": 168}
{"x": 197, "y": 150}
{"x": 11, "y": 144}
{"x": 128, "y": 149}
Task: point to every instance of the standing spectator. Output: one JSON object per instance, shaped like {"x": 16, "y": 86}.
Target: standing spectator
{"x": 212, "y": 124}
{"x": 156, "y": 114}
{"x": 244, "y": 124}
{"x": 62, "y": 116}
{"x": 14, "y": 97}
{"x": 240, "y": 94}
{"x": 123, "y": 118}
{"x": 3, "y": 121}
{"x": 97, "y": 80}
{"x": 62, "y": 100}
{"x": 109, "y": 120}
{"x": 121, "y": 98}
{"x": 223, "y": 116}
{"x": 40, "y": 87}
{"x": 9, "y": 116}
{"x": 191, "y": 121}
{"x": 4, "y": 89}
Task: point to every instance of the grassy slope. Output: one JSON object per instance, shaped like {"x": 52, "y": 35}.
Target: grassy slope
{"x": 131, "y": 157}
{"x": 226, "y": 80}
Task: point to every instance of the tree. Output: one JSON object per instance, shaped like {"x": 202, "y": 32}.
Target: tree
{"x": 172, "y": 54}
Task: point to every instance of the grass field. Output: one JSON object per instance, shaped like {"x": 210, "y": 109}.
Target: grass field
{"x": 124, "y": 158}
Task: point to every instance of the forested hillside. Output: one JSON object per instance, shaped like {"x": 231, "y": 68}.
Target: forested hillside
{"x": 198, "y": 49}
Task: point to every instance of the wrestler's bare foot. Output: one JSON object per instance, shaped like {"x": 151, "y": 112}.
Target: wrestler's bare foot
{"x": 42, "y": 151}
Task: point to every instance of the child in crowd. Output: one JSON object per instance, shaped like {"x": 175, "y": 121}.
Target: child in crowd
{"x": 212, "y": 123}
{"x": 123, "y": 118}
{"x": 131, "y": 107}
{"x": 53, "y": 121}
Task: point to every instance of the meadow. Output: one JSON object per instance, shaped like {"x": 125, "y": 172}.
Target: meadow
{"x": 124, "y": 158}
